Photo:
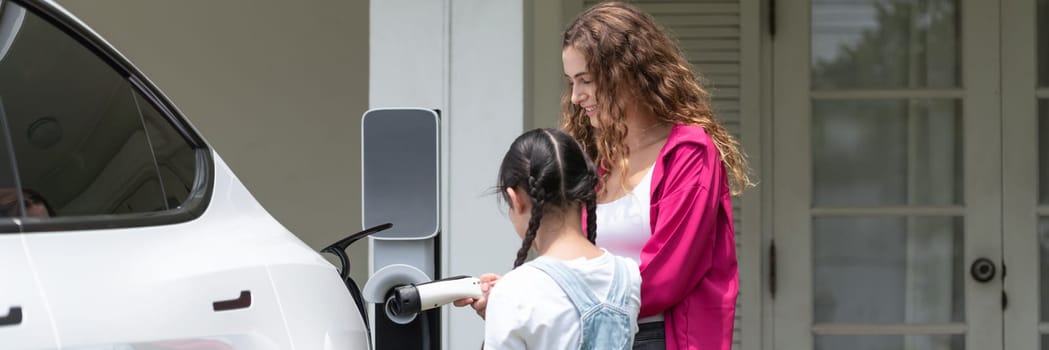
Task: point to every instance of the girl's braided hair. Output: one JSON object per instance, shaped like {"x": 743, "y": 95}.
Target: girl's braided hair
{"x": 552, "y": 168}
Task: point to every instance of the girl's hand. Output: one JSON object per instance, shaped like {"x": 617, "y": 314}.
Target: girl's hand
{"x": 479, "y": 305}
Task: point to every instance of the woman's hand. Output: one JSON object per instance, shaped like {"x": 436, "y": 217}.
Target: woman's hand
{"x": 480, "y": 304}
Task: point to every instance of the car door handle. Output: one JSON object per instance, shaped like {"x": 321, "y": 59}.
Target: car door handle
{"x": 13, "y": 318}
{"x": 242, "y": 302}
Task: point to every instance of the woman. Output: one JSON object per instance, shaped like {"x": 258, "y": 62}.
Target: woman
{"x": 668, "y": 171}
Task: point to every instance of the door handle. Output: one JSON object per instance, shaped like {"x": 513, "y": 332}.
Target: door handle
{"x": 982, "y": 270}
{"x": 242, "y": 302}
{"x": 13, "y": 318}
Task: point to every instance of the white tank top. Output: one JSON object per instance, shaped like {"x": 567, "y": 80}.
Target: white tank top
{"x": 623, "y": 225}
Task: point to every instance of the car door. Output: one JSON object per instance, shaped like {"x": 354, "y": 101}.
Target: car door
{"x": 24, "y": 316}
{"x": 131, "y": 251}
{"x": 24, "y": 321}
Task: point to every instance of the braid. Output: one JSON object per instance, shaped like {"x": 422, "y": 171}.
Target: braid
{"x": 538, "y": 199}
{"x": 553, "y": 170}
{"x": 591, "y": 219}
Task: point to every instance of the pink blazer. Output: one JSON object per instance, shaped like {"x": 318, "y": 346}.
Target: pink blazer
{"x": 688, "y": 267}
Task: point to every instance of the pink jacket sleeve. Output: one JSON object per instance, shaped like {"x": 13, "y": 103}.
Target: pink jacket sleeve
{"x": 683, "y": 219}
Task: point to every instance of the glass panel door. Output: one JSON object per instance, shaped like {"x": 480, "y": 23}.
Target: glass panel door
{"x": 887, "y": 150}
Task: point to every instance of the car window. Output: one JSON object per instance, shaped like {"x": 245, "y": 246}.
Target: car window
{"x": 10, "y": 200}
{"x": 85, "y": 141}
{"x": 175, "y": 157}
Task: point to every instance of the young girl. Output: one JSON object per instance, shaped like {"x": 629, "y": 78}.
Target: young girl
{"x": 574, "y": 295}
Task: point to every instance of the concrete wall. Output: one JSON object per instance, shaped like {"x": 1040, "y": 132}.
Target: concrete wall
{"x": 277, "y": 87}
{"x": 487, "y": 95}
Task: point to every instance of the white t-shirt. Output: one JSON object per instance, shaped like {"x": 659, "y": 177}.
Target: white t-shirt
{"x": 528, "y": 310}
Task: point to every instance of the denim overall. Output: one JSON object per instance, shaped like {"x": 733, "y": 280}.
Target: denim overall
{"x": 604, "y": 325}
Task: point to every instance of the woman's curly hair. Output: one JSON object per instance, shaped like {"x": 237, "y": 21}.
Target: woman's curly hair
{"x": 628, "y": 55}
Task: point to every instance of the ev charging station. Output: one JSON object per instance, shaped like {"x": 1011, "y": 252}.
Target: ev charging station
{"x": 400, "y": 175}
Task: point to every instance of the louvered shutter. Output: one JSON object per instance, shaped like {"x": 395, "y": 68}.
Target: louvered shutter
{"x": 709, "y": 34}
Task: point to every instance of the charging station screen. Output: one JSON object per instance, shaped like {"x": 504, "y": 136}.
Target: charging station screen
{"x": 400, "y": 153}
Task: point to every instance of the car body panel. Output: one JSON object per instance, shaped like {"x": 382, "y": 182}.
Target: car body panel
{"x": 159, "y": 283}
{"x": 21, "y": 294}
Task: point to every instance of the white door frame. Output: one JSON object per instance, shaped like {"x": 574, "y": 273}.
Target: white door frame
{"x": 1020, "y": 167}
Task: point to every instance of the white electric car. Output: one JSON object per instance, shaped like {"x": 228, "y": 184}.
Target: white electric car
{"x": 121, "y": 229}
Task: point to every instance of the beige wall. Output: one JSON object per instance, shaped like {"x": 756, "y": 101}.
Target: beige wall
{"x": 276, "y": 87}
{"x": 544, "y": 22}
